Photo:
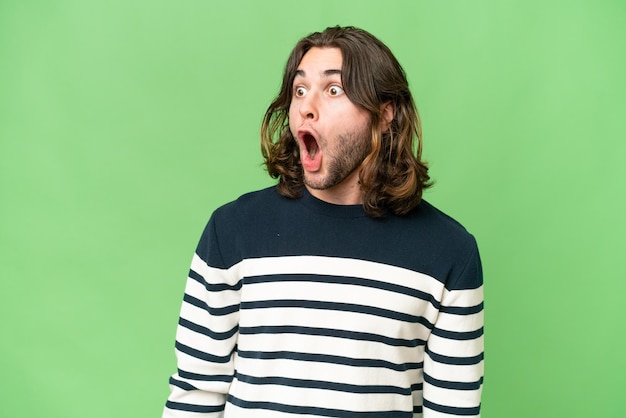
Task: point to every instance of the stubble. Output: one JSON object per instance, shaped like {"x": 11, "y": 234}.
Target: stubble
{"x": 349, "y": 151}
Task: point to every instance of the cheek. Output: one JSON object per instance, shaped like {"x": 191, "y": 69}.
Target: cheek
{"x": 364, "y": 119}
{"x": 293, "y": 112}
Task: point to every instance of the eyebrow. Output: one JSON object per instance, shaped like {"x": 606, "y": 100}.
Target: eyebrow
{"x": 326, "y": 73}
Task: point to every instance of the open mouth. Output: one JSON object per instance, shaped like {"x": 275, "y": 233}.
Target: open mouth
{"x": 311, "y": 153}
{"x": 310, "y": 143}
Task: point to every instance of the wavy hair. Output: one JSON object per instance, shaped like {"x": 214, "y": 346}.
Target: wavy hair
{"x": 393, "y": 175}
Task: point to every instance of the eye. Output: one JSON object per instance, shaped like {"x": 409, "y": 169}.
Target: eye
{"x": 335, "y": 90}
{"x": 299, "y": 91}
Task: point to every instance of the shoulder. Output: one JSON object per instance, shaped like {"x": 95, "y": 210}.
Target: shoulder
{"x": 438, "y": 244}
{"x": 251, "y": 213}
{"x": 436, "y": 228}
{"x": 252, "y": 203}
{"x": 231, "y": 224}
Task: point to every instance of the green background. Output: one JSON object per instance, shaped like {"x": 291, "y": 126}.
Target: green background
{"x": 123, "y": 124}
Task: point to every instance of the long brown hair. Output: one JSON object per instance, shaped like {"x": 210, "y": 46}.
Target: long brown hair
{"x": 392, "y": 176}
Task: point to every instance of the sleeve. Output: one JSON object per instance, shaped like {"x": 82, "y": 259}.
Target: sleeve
{"x": 453, "y": 361}
{"x": 206, "y": 335}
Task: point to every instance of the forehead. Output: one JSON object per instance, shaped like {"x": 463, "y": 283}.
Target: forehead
{"x": 319, "y": 61}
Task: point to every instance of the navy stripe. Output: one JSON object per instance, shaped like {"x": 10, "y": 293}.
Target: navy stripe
{"x": 326, "y": 358}
{"x": 456, "y": 310}
{"x": 212, "y": 311}
{"x": 457, "y": 361}
{"x": 355, "y": 281}
{"x": 311, "y": 410}
{"x": 213, "y": 287}
{"x": 182, "y": 385}
{"x": 459, "y": 336}
{"x": 451, "y": 409}
{"x": 205, "y": 377}
{"x": 193, "y": 408}
{"x": 337, "y": 306}
{"x": 445, "y": 384}
{"x": 202, "y": 355}
{"x": 326, "y": 332}
{"x": 317, "y": 384}
{"x": 206, "y": 331}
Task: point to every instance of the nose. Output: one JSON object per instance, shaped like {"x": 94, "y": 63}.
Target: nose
{"x": 309, "y": 106}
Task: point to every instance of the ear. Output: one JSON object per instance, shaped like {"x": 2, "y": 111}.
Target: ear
{"x": 387, "y": 111}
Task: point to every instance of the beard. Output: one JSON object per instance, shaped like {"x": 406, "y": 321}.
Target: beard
{"x": 342, "y": 159}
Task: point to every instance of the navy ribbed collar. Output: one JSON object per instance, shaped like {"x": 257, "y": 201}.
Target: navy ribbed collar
{"x": 329, "y": 209}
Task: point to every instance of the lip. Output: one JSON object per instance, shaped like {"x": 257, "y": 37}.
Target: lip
{"x": 303, "y": 132}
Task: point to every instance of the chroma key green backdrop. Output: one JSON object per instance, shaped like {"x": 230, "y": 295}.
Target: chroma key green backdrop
{"x": 123, "y": 124}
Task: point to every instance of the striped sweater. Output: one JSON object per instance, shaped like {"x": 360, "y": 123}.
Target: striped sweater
{"x": 300, "y": 307}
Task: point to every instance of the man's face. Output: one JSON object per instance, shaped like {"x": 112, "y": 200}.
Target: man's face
{"x": 332, "y": 132}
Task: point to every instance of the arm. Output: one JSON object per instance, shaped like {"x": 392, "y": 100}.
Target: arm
{"x": 206, "y": 335}
{"x": 453, "y": 362}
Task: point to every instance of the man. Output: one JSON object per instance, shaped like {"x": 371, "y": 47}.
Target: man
{"x": 339, "y": 292}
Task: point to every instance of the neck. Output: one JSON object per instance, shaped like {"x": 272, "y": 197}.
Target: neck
{"x": 348, "y": 192}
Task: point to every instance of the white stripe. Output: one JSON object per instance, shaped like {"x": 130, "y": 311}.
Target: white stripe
{"x": 453, "y": 373}
{"x": 321, "y": 398}
{"x": 208, "y": 393}
{"x": 335, "y": 266}
{"x": 214, "y": 275}
{"x": 435, "y": 414}
{"x": 463, "y": 298}
{"x": 232, "y": 411}
{"x": 196, "y": 365}
{"x": 346, "y": 321}
{"x": 340, "y": 293}
{"x": 201, "y": 317}
{"x": 204, "y": 343}
{"x": 329, "y": 346}
{"x": 455, "y": 348}
{"x": 462, "y": 398}
{"x": 220, "y": 299}
{"x": 460, "y": 323}
{"x": 328, "y": 371}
